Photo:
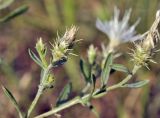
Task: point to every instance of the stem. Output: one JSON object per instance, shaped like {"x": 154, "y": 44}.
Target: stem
{"x": 32, "y": 106}
{"x": 135, "y": 68}
{"x": 19, "y": 112}
{"x": 64, "y": 106}
{"x": 40, "y": 91}
{"x": 78, "y": 100}
{"x": 20, "y": 115}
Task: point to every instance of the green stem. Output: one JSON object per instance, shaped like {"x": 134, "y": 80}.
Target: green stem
{"x": 32, "y": 106}
{"x": 19, "y": 112}
{"x": 20, "y": 115}
{"x": 40, "y": 91}
{"x": 135, "y": 68}
{"x": 78, "y": 100}
{"x": 130, "y": 75}
{"x": 64, "y": 106}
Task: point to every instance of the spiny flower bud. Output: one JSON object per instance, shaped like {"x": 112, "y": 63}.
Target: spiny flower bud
{"x": 146, "y": 49}
{"x": 91, "y": 54}
{"x": 141, "y": 56}
{"x": 62, "y": 46}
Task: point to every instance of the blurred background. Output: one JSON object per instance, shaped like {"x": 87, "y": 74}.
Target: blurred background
{"x": 43, "y": 18}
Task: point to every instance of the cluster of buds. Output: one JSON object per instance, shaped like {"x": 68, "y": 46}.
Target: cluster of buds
{"x": 146, "y": 48}
{"x": 62, "y": 47}
{"x": 60, "y": 50}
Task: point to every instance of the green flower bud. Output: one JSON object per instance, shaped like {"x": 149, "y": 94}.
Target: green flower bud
{"x": 91, "y": 54}
{"x": 49, "y": 82}
{"x": 40, "y": 47}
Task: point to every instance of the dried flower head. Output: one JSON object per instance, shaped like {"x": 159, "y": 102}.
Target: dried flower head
{"x": 153, "y": 35}
{"x": 63, "y": 46}
{"x": 117, "y": 30}
{"x": 145, "y": 50}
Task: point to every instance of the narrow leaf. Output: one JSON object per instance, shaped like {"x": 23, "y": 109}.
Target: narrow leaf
{"x": 86, "y": 71}
{"x": 93, "y": 78}
{"x": 35, "y": 58}
{"x": 12, "y": 99}
{"x": 64, "y": 95}
{"x": 106, "y": 70}
{"x": 121, "y": 68}
{"x": 137, "y": 84}
{"x": 93, "y": 81}
{"x": 10, "y": 96}
{"x": 14, "y": 13}
{"x": 5, "y": 3}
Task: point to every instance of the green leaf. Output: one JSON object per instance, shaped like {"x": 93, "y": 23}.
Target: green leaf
{"x": 10, "y": 96}
{"x": 14, "y": 13}
{"x": 86, "y": 71}
{"x": 93, "y": 78}
{"x": 121, "y": 68}
{"x": 106, "y": 70}
{"x": 35, "y": 58}
{"x": 5, "y": 3}
{"x": 93, "y": 81}
{"x": 137, "y": 84}
{"x": 12, "y": 99}
{"x": 64, "y": 95}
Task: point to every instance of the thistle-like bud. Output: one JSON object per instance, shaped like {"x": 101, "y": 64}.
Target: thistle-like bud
{"x": 146, "y": 49}
{"x": 141, "y": 56}
{"x": 91, "y": 54}
{"x": 62, "y": 46}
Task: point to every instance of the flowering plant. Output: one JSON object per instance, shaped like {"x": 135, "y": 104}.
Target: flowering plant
{"x": 95, "y": 67}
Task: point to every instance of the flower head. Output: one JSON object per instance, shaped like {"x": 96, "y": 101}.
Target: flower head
{"x": 117, "y": 30}
{"x": 145, "y": 50}
{"x": 141, "y": 56}
{"x": 63, "y": 45}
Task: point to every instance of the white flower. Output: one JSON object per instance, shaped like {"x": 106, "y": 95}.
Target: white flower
{"x": 117, "y": 30}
